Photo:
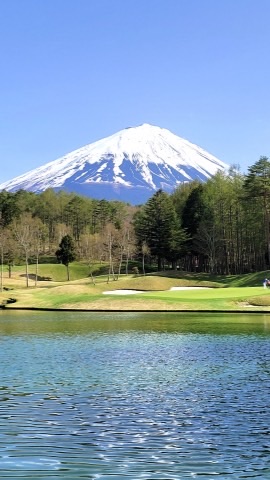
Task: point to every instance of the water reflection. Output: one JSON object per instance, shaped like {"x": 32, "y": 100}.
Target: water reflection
{"x": 40, "y": 323}
{"x": 133, "y": 396}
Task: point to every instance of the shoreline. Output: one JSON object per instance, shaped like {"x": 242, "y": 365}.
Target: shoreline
{"x": 82, "y": 310}
{"x": 81, "y": 298}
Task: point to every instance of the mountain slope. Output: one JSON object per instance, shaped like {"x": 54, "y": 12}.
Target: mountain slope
{"x": 129, "y": 165}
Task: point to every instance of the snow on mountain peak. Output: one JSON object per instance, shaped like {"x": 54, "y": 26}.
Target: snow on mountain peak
{"x": 134, "y": 162}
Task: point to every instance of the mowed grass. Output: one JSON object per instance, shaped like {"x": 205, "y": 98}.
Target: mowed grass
{"x": 52, "y": 272}
{"x": 231, "y": 298}
{"x": 243, "y": 293}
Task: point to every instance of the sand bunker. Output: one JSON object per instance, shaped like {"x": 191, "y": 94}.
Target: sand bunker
{"x": 130, "y": 292}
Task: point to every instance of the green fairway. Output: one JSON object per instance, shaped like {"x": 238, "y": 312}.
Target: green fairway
{"x": 212, "y": 298}
{"x": 53, "y": 272}
{"x": 241, "y": 293}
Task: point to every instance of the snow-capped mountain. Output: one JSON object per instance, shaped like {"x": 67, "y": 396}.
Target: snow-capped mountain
{"x": 129, "y": 166}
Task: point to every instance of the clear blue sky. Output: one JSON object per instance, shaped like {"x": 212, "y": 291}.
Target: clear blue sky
{"x": 75, "y": 71}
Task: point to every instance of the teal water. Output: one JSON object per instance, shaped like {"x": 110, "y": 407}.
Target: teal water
{"x": 134, "y": 396}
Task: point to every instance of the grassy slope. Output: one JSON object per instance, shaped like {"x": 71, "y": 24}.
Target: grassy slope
{"x": 53, "y": 291}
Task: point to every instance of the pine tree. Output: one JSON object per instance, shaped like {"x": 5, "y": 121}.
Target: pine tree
{"x": 156, "y": 226}
{"x": 66, "y": 252}
{"x": 257, "y": 187}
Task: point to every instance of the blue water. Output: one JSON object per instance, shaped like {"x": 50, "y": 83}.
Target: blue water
{"x": 133, "y": 396}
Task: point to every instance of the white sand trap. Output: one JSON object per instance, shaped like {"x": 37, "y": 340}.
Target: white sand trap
{"x": 130, "y": 292}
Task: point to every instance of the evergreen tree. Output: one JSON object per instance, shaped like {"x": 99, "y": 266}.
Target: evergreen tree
{"x": 193, "y": 211}
{"x": 8, "y": 208}
{"x": 66, "y": 252}
{"x": 156, "y": 226}
{"x": 257, "y": 188}
{"x": 181, "y": 195}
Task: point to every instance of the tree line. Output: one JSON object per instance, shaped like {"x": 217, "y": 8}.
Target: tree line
{"x": 221, "y": 226}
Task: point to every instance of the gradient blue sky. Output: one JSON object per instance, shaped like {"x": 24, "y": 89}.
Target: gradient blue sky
{"x": 75, "y": 71}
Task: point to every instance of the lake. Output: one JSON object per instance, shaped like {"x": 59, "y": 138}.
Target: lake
{"x": 134, "y": 396}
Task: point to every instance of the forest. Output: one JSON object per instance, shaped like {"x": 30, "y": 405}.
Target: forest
{"x": 220, "y": 226}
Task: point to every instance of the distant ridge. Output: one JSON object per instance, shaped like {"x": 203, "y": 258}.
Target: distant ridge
{"x": 129, "y": 166}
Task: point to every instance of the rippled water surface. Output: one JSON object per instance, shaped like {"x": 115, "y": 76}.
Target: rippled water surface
{"x": 133, "y": 396}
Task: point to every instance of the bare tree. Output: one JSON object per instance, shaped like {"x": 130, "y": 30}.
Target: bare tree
{"x": 23, "y": 233}
{"x": 208, "y": 243}
{"x": 2, "y": 246}
{"x": 90, "y": 250}
{"x": 39, "y": 233}
{"x": 145, "y": 252}
{"x": 130, "y": 243}
{"x": 110, "y": 233}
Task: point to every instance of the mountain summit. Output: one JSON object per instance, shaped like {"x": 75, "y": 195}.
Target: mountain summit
{"x": 129, "y": 166}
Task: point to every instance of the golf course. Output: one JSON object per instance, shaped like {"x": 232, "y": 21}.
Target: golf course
{"x": 159, "y": 291}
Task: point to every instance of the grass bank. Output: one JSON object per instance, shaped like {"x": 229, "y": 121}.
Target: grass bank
{"x": 224, "y": 293}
